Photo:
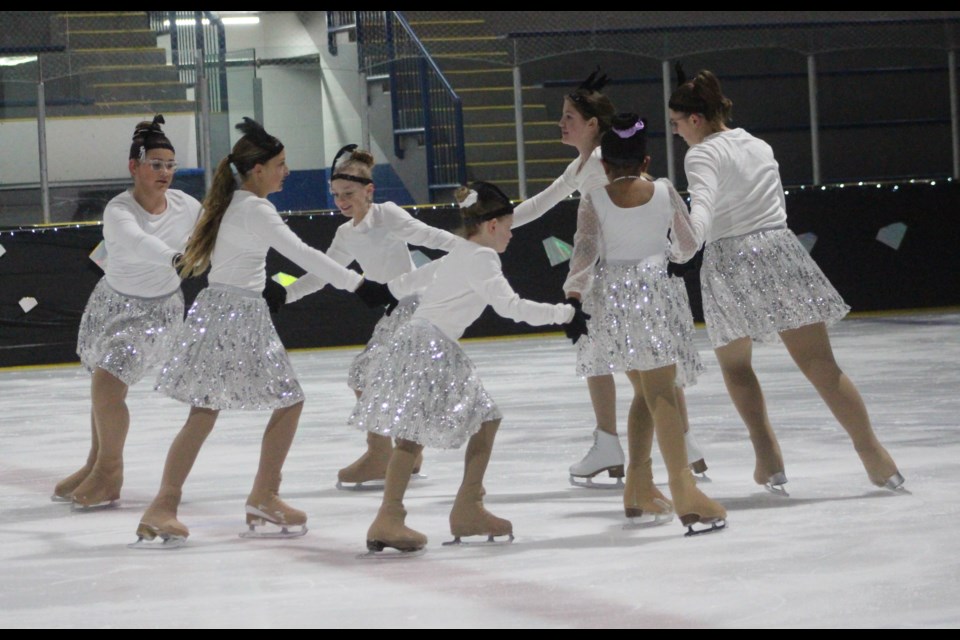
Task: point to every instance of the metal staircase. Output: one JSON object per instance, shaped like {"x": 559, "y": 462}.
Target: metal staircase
{"x": 112, "y": 65}
{"x": 476, "y": 61}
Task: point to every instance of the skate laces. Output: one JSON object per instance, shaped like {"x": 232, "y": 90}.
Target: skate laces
{"x": 596, "y": 445}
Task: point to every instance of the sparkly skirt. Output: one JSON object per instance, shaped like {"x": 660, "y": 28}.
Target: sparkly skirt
{"x": 423, "y": 387}
{"x": 126, "y": 335}
{"x": 640, "y": 320}
{"x": 760, "y": 284}
{"x": 229, "y": 356}
{"x": 382, "y": 333}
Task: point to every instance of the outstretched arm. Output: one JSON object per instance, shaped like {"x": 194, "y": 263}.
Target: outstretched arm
{"x": 415, "y": 232}
{"x": 311, "y": 282}
{"x": 485, "y": 276}
{"x": 268, "y": 224}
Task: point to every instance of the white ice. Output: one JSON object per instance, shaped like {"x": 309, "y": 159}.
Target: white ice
{"x": 837, "y": 553}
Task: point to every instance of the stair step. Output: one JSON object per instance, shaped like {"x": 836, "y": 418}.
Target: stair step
{"x": 130, "y": 73}
{"x": 476, "y": 56}
{"x": 89, "y": 20}
{"x": 141, "y": 109}
{"x": 76, "y": 60}
{"x": 470, "y": 78}
{"x": 434, "y": 40}
{"x": 138, "y": 91}
{"x": 494, "y": 113}
{"x": 488, "y": 96}
{"x": 507, "y": 132}
{"x": 442, "y": 22}
{"x": 111, "y": 39}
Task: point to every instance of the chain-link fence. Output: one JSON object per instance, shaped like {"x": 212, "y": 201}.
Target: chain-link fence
{"x": 840, "y": 95}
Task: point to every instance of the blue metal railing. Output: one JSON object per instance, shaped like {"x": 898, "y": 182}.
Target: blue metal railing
{"x": 197, "y": 36}
{"x": 423, "y": 102}
{"x": 339, "y": 22}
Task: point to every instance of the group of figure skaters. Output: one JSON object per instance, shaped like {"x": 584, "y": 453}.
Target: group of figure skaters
{"x": 414, "y": 384}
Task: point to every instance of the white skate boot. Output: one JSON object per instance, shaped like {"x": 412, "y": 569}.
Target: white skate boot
{"x": 606, "y": 454}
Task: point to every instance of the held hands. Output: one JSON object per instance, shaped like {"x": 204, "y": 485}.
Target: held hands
{"x": 376, "y": 294}
{"x": 275, "y": 294}
{"x": 578, "y": 324}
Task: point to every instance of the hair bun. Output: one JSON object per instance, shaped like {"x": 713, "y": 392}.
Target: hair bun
{"x": 465, "y": 196}
{"x": 627, "y": 125}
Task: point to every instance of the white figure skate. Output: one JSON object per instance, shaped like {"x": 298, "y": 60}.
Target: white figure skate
{"x": 606, "y": 454}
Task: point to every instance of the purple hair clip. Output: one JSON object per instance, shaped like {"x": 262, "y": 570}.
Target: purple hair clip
{"x": 631, "y": 131}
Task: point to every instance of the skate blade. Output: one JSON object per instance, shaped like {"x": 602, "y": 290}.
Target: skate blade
{"x": 588, "y": 483}
{"x": 369, "y": 485}
{"x": 100, "y": 506}
{"x": 372, "y": 485}
{"x": 284, "y": 532}
{"x": 61, "y": 499}
{"x": 491, "y": 541}
{"x": 395, "y": 554}
{"x": 776, "y": 489}
{"x": 648, "y": 520}
{"x": 711, "y": 527}
{"x": 895, "y": 483}
{"x": 701, "y": 477}
{"x": 775, "y": 484}
{"x": 165, "y": 544}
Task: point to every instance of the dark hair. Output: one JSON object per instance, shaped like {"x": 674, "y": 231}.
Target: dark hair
{"x": 625, "y": 145}
{"x": 255, "y": 147}
{"x": 590, "y": 103}
{"x": 490, "y": 203}
{"x": 149, "y": 135}
{"x": 701, "y": 95}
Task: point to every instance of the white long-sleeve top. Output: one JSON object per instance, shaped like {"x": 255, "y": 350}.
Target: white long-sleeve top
{"x": 250, "y": 227}
{"x": 734, "y": 184}
{"x": 379, "y": 245}
{"x": 141, "y": 245}
{"x": 455, "y": 289}
{"x": 611, "y": 233}
{"x": 574, "y": 179}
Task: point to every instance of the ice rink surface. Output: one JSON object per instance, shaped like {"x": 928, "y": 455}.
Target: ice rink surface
{"x": 838, "y": 552}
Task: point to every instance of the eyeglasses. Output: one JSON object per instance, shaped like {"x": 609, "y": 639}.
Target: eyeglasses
{"x": 160, "y": 165}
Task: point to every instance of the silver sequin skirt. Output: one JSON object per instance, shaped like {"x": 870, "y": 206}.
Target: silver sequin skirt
{"x": 126, "y": 335}
{"x": 229, "y": 356}
{"x": 640, "y": 320}
{"x": 424, "y": 388}
{"x": 760, "y": 284}
{"x": 382, "y": 334}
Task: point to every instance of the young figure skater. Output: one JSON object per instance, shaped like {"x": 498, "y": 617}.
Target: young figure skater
{"x": 228, "y": 354}
{"x": 376, "y": 237}
{"x": 131, "y": 319}
{"x": 638, "y": 323}
{"x": 758, "y": 281}
{"x": 423, "y": 389}
{"x": 587, "y": 115}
